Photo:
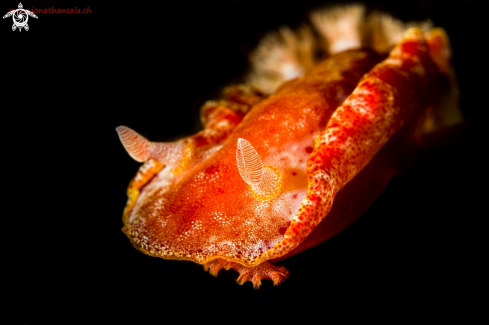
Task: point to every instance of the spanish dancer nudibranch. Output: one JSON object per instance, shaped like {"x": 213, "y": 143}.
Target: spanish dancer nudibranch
{"x": 293, "y": 158}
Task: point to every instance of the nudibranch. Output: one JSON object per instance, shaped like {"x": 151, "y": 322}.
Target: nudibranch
{"x": 270, "y": 176}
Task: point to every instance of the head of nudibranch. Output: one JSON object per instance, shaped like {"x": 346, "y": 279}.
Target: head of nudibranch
{"x": 235, "y": 204}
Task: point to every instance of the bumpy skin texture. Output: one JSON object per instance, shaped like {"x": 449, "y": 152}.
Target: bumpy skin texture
{"x": 206, "y": 211}
{"x": 392, "y": 94}
{"x": 198, "y": 207}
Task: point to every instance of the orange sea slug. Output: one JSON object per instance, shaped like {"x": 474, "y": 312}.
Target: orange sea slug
{"x": 270, "y": 176}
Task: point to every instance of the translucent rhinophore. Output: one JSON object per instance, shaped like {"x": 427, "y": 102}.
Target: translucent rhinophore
{"x": 249, "y": 163}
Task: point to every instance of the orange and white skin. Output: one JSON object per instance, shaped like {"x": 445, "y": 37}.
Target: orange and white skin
{"x": 270, "y": 177}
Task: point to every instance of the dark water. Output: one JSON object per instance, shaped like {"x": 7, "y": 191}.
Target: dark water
{"x": 417, "y": 256}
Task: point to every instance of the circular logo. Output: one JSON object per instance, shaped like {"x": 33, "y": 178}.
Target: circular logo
{"x": 20, "y": 17}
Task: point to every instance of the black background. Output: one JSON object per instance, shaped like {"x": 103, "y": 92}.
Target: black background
{"x": 418, "y": 255}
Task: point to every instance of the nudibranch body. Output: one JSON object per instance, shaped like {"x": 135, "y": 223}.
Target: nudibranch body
{"x": 208, "y": 210}
{"x": 264, "y": 173}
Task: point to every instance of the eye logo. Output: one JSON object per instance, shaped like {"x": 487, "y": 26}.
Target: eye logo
{"x": 20, "y": 17}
